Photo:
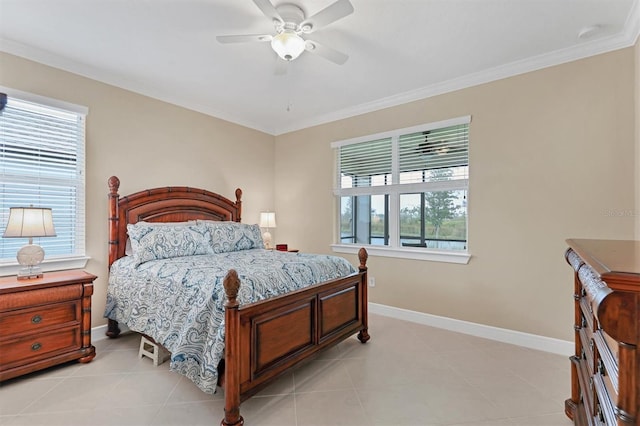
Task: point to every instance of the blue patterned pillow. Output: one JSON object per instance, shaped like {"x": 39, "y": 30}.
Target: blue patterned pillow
{"x": 152, "y": 241}
{"x": 233, "y": 236}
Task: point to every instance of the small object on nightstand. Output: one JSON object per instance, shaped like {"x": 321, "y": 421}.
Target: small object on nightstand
{"x": 281, "y": 247}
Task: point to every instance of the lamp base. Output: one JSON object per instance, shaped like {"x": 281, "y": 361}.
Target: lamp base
{"x": 30, "y": 256}
{"x": 266, "y": 239}
{"x": 30, "y": 273}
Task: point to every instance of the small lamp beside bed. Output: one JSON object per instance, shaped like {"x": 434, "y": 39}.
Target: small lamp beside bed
{"x": 29, "y": 222}
{"x": 267, "y": 221}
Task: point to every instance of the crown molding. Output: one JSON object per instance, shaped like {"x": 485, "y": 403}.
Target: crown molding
{"x": 120, "y": 81}
{"x": 609, "y": 44}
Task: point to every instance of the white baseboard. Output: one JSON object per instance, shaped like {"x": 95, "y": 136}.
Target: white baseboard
{"x": 533, "y": 341}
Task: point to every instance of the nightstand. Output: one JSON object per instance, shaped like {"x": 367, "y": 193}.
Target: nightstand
{"x": 45, "y": 321}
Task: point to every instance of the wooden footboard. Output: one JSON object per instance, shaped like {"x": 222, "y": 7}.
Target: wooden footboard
{"x": 264, "y": 339}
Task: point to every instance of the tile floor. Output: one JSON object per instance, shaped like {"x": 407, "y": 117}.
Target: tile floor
{"x": 407, "y": 374}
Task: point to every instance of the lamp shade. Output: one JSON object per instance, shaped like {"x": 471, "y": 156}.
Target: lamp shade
{"x": 267, "y": 220}
{"x": 28, "y": 222}
{"x": 288, "y": 45}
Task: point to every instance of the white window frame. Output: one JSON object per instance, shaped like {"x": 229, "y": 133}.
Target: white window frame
{"x": 394, "y": 249}
{"x": 61, "y": 262}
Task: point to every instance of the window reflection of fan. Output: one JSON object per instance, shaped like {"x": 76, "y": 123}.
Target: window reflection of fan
{"x": 291, "y": 24}
{"x": 434, "y": 145}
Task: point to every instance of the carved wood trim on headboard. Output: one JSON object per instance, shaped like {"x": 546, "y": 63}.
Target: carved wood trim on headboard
{"x": 165, "y": 204}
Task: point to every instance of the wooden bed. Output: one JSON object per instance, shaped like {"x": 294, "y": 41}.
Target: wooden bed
{"x": 263, "y": 339}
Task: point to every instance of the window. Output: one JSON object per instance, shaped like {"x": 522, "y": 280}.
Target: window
{"x": 404, "y": 193}
{"x": 42, "y": 157}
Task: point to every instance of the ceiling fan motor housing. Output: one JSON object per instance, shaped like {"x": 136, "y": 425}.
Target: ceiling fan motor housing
{"x": 292, "y": 17}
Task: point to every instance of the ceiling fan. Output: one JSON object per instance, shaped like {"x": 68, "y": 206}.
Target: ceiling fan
{"x": 291, "y": 24}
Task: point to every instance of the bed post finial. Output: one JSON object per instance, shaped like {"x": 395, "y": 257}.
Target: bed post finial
{"x": 114, "y": 218}
{"x": 114, "y": 184}
{"x": 231, "y": 286}
{"x": 363, "y": 256}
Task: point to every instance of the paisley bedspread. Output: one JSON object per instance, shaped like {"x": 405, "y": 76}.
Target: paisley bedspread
{"x": 179, "y": 302}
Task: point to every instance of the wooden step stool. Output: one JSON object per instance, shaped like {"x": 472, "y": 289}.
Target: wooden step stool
{"x": 153, "y": 350}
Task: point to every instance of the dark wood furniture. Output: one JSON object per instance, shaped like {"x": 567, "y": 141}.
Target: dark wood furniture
{"x": 605, "y": 370}
{"x": 263, "y": 339}
{"x": 45, "y": 321}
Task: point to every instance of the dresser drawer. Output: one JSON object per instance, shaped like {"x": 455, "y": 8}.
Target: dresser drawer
{"x": 34, "y": 319}
{"x": 30, "y": 348}
{"x": 607, "y": 359}
{"x": 604, "y": 405}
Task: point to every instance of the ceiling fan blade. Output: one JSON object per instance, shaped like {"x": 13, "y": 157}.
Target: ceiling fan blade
{"x": 326, "y": 16}
{"x": 328, "y": 53}
{"x": 268, "y": 9}
{"x": 243, "y": 38}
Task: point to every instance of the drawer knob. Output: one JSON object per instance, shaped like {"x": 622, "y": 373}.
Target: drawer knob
{"x": 36, "y": 319}
{"x": 36, "y": 346}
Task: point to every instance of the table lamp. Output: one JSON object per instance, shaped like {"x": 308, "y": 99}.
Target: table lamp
{"x": 29, "y": 222}
{"x": 267, "y": 220}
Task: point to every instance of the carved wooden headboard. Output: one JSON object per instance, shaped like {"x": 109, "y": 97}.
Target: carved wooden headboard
{"x": 166, "y": 204}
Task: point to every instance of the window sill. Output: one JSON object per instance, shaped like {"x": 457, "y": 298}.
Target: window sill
{"x": 405, "y": 253}
{"x": 78, "y": 262}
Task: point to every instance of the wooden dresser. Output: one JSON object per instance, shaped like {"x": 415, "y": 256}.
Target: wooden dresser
{"x": 45, "y": 321}
{"x": 605, "y": 370}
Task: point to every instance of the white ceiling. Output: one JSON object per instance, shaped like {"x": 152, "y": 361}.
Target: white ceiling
{"x": 399, "y": 50}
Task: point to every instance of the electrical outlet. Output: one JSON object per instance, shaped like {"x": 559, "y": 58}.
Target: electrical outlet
{"x": 372, "y": 282}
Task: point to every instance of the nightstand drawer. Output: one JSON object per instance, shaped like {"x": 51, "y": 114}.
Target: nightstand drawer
{"x": 36, "y": 346}
{"x": 27, "y": 320}
{"x": 44, "y": 296}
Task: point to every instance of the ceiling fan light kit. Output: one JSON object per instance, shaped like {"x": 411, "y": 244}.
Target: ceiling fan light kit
{"x": 288, "y": 45}
{"x": 291, "y": 24}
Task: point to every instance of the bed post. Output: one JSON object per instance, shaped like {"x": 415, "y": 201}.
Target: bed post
{"x": 114, "y": 184}
{"x": 363, "y": 335}
{"x": 239, "y": 204}
{"x": 232, "y": 415}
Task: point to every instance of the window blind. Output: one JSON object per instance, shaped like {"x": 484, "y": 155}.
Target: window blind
{"x": 362, "y": 161}
{"x": 424, "y": 155}
{"x": 42, "y": 163}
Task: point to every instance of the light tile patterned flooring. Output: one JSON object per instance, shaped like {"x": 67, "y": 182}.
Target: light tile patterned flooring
{"x": 407, "y": 374}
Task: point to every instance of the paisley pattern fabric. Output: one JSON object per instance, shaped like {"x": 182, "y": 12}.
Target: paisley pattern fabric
{"x": 233, "y": 236}
{"x": 152, "y": 241}
{"x": 179, "y": 302}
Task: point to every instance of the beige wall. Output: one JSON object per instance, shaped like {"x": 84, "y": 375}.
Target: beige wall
{"x": 636, "y": 212}
{"x": 551, "y": 157}
{"x": 148, "y": 143}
